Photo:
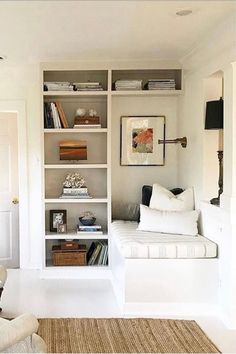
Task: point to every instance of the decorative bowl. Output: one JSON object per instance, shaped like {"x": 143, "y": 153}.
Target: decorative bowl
{"x": 87, "y": 221}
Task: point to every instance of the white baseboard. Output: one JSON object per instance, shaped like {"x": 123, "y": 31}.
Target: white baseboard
{"x": 75, "y": 273}
{"x": 170, "y": 310}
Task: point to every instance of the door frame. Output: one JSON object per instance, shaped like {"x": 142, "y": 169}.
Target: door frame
{"x": 18, "y": 107}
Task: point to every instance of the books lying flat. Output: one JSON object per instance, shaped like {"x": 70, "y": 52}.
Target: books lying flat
{"x": 85, "y": 227}
{"x": 94, "y": 229}
{"x": 123, "y": 85}
{"x": 160, "y": 84}
{"x": 58, "y": 86}
{"x": 89, "y": 232}
{"x": 87, "y": 86}
{"x": 66, "y": 196}
{"x": 82, "y": 126}
{"x": 75, "y": 191}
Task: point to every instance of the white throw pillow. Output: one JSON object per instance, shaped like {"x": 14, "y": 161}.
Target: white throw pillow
{"x": 169, "y": 222}
{"x": 163, "y": 199}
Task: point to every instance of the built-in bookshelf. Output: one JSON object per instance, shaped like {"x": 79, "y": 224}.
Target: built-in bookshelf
{"x": 96, "y": 169}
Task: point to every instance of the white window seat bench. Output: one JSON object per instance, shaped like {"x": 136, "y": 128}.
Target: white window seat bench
{"x": 163, "y": 274}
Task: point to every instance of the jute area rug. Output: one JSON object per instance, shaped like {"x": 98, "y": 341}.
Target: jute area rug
{"x": 119, "y": 335}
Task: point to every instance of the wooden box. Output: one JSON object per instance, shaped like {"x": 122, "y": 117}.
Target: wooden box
{"x": 87, "y": 120}
{"x": 69, "y": 257}
{"x": 73, "y": 150}
{"x": 69, "y": 245}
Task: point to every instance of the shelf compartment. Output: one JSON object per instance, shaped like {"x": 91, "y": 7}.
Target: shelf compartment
{"x": 96, "y": 148}
{"x": 74, "y": 211}
{"x": 87, "y": 242}
{"x": 77, "y": 76}
{"x": 76, "y": 166}
{"x": 71, "y": 103}
{"x": 96, "y": 182}
{"x": 148, "y": 74}
{"x": 72, "y": 130}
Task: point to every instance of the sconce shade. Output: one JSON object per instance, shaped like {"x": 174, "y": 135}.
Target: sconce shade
{"x": 214, "y": 114}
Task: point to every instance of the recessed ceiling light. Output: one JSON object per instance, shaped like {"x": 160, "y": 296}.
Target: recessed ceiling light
{"x": 185, "y": 12}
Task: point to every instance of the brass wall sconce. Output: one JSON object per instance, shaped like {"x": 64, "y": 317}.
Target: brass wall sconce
{"x": 182, "y": 141}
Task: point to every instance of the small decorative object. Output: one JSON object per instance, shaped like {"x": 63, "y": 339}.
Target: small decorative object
{"x": 215, "y": 121}
{"x": 74, "y": 180}
{"x": 57, "y": 217}
{"x": 73, "y": 150}
{"x": 139, "y": 140}
{"x": 74, "y": 187}
{"x": 92, "y": 113}
{"x": 61, "y": 228}
{"x": 87, "y": 218}
{"x": 80, "y": 112}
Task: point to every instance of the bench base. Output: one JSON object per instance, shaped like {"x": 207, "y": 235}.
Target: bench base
{"x": 165, "y": 286}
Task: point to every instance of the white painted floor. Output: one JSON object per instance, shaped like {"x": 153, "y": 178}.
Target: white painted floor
{"x": 26, "y": 292}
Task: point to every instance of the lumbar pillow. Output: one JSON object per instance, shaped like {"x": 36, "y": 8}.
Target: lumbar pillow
{"x": 169, "y": 222}
{"x": 163, "y": 199}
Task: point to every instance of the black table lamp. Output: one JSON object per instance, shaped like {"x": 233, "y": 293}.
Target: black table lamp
{"x": 215, "y": 120}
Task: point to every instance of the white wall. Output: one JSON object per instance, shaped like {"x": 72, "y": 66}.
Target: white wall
{"x": 127, "y": 181}
{"x": 219, "y": 226}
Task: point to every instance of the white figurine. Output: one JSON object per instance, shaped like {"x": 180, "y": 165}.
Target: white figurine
{"x": 92, "y": 113}
{"x": 74, "y": 180}
{"x": 80, "y": 112}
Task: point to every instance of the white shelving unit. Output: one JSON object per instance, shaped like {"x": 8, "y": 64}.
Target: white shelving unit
{"x": 97, "y": 168}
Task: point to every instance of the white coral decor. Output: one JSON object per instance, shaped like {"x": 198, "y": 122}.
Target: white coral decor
{"x": 74, "y": 180}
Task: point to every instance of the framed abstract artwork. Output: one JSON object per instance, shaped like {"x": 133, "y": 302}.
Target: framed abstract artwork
{"x": 139, "y": 141}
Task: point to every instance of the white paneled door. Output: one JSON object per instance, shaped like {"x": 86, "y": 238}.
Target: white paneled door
{"x": 9, "y": 189}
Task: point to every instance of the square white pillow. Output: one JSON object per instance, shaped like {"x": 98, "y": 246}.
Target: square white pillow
{"x": 163, "y": 199}
{"x": 169, "y": 222}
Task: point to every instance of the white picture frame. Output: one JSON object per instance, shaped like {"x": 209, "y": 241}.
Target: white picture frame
{"x": 140, "y": 137}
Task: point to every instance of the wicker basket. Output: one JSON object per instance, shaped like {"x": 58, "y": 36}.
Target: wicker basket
{"x": 68, "y": 257}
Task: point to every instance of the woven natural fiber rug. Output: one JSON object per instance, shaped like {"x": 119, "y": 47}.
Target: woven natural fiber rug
{"x": 119, "y": 335}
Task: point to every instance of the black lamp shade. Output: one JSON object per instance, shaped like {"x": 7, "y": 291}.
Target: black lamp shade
{"x": 214, "y": 115}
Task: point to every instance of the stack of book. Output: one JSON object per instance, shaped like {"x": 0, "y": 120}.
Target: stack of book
{"x": 161, "y": 84}
{"x": 54, "y": 116}
{"x": 98, "y": 253}
{"x": 58, "y": 86}
{"x": 123, "y": 85}
{"x": 87, "y": 86}
{"x": 75, "y": 193}
{"x": 85, "y": 229}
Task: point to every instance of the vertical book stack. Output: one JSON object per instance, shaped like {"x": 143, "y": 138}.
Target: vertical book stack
{"x": 98, "y": 253}
{"x": 54, "y": 116}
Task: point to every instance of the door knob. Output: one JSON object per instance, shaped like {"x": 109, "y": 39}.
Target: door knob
{"x": 15, "y": 201}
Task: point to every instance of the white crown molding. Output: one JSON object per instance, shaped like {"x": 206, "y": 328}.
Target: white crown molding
{"x": 222, "y": 39}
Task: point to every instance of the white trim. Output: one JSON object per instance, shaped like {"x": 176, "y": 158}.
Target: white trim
{"x": 18, "y": 107}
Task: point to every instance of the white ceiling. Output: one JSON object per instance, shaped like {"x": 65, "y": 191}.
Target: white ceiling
{"x": 105, "y": 30}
